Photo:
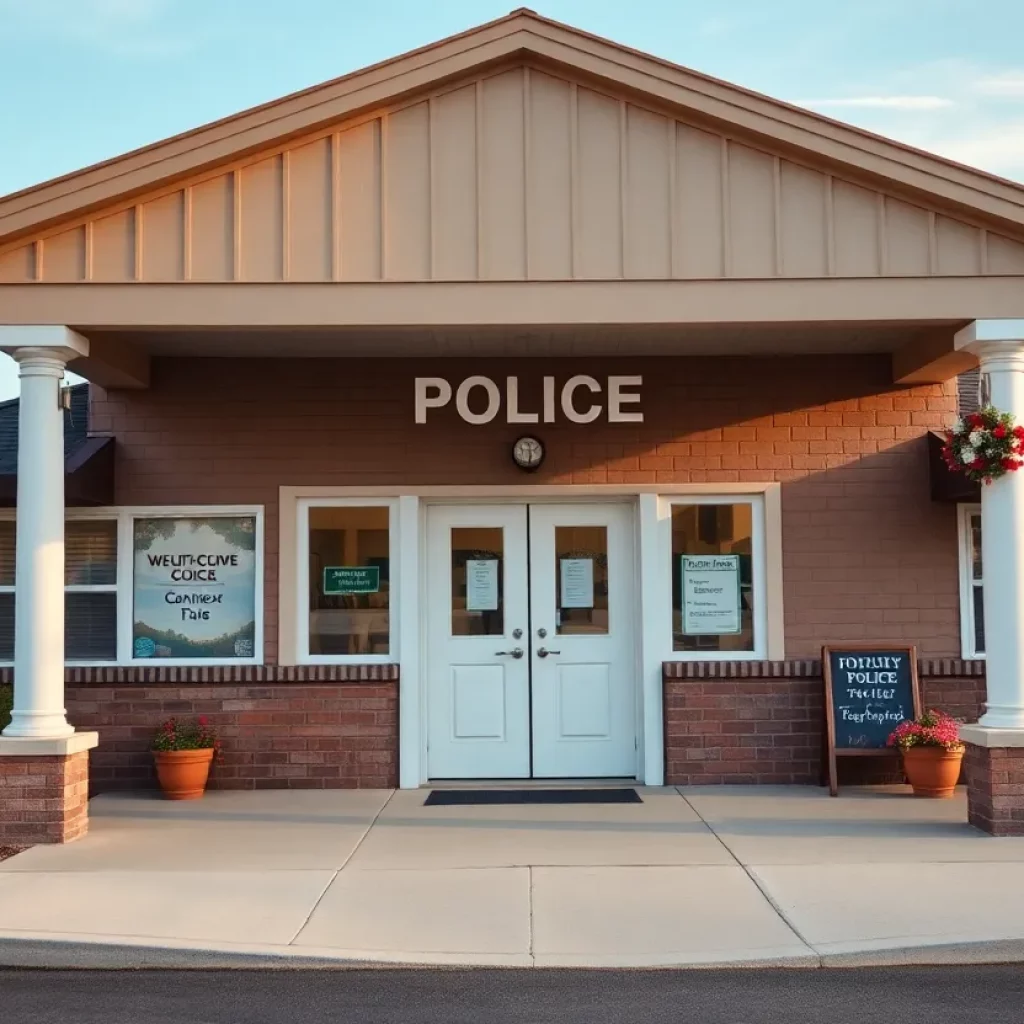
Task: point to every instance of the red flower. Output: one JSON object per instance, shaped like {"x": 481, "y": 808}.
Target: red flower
{"x": 999, "y": 432}
{"x": 1018, "y": 432}
{"x": 974, "y": 420}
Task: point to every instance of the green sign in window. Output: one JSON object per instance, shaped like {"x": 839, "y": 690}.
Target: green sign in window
{"x": 348, "y": 579}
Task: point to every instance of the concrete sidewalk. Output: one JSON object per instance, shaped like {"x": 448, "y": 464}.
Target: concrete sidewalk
{"x": 688, "y": 877}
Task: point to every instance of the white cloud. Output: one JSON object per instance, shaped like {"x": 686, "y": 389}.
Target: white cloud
{"x": 999, "y": 149}
{"x": 884, "y": 102}
{"x": 958, "y": 108}
{"x": 1008, "y": 84}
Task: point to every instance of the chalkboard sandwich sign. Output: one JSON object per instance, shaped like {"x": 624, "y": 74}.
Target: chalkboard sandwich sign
{"x": 869, "y": 690}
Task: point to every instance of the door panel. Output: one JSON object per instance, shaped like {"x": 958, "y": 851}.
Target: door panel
{"x": 478, "y": 692}
{"x": 583, "y": 656}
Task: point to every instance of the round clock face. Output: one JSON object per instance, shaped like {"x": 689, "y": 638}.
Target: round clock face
{"x": 528, "y": 452}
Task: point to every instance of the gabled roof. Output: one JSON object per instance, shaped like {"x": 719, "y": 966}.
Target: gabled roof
{"x": 522, "y": 35}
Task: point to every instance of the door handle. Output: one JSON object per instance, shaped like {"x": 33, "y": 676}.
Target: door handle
{"x": 543, "y": 652}
{"x": 516, "y": 652}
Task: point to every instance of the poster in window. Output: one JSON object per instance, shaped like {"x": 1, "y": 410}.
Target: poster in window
{"x": 194, "y": 591}
{"x": 481, "y": 584}
{"x": 711, "y": 595}
{"x": 577, "y": 582}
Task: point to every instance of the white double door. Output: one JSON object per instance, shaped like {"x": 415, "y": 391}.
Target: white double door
{"x": 530, "y": 624}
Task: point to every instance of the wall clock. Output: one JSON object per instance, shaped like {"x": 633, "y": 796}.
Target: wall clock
{"x": 528, "y": 453}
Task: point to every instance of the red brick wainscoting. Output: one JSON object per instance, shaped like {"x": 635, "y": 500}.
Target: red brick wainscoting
{"x": 995, "y": 789}
{"x": 763, "y": 722}
{"x": 43, "y": 799}
{"x": 311, "y": 727}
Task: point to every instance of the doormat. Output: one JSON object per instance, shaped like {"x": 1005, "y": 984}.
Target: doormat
{"x": 467, "y": 797}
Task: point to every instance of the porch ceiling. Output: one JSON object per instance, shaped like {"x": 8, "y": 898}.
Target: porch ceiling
{"x": 533, "y": 340}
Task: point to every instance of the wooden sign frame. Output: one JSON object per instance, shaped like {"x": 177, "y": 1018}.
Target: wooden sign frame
{"x": 831, "y": 752}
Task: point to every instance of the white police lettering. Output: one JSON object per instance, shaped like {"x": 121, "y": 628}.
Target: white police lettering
{"x": 579, "y": 399}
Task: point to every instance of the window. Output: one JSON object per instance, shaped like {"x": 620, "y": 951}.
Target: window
{"x": 90, "y": 595}
{"x": 142, "y": 585}
{"x": 717, "y": 578}
{"x": 347, "y": 580}
{"x": 90, "y": 590}
{"x": 972, "y": 612}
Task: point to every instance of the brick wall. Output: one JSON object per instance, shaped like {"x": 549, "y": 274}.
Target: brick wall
{"x": 867, "y": 555}
{"x": 318, "y": 728}
{"x": 763, "y": 722}
{"x": 43, "y": 799}
{"x": 995, "y": 789}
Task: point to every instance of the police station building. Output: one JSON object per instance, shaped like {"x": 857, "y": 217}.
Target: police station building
{"x": 523, "y": 407}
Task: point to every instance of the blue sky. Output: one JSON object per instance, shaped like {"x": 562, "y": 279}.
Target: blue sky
{"x": 84, "y": 80}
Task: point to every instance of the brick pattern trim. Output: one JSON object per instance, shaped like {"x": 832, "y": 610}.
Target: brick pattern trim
{"x": 321, "y": 735}
{"x": 763, "y": 722}
{"x": 995, "y": 789}
{"x": 43, "y": 799}
{"x": 220, "y": 675}
{"x": 804, "y": 668}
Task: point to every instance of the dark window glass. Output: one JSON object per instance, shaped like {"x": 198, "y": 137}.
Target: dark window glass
{"x": 90, "y": 626}
{"x": 90, "y": 553}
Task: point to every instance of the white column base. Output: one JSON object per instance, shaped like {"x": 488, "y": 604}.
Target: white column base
{"x": 40, "y": 725}
{"x": 12, "y": 746}
{"x": 1002, "y": 716}
{"x": 982, "y": 736}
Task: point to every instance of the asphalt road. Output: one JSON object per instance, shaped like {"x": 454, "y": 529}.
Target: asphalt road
{"x": 993, "y": 995}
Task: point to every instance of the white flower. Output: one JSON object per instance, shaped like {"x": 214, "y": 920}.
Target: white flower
{"x": 974, "y": 438}
{"x": 958, "y": 426}
{"x": 968, "y": 455}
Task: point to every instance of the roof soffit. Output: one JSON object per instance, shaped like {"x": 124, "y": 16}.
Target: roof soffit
{"x": 521, "y": 36}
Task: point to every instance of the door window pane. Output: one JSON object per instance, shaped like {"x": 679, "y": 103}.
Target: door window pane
{"x": 581, "y": 580}
{"x": 90, "y": 553}
{"x": 712, "y": 577}
{"x": 478, "y": 581}
{"x": 349, "y": 580}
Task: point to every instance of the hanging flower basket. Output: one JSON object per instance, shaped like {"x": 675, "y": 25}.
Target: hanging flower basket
{"x": 985, "y": 446}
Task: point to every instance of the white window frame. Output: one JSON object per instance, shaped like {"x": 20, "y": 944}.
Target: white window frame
{"x": 965, "y": 512}
{"x": 125, "y": 516}
{"x": 759, "y": 555}
{"x": 302, "y": 581}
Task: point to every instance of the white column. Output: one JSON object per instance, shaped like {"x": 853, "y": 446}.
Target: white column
{"x": 999, "y": 346}
{"x": 38, "y": 712}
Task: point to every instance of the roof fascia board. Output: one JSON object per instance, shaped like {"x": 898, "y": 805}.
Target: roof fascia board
{"x": 240, "y": 305}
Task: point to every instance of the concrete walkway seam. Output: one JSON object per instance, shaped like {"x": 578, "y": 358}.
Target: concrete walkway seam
{"x": 753, "y": 878}
{"x": 333, "y": 877}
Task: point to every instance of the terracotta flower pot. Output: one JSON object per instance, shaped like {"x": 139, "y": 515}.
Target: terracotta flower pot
{"x": 932, "y": 771}
{"x": 183, "y": 773}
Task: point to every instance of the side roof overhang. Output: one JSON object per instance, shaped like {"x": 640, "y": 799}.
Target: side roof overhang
{"x": 88, "y": 461}
{"x": 970, "y": 221}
